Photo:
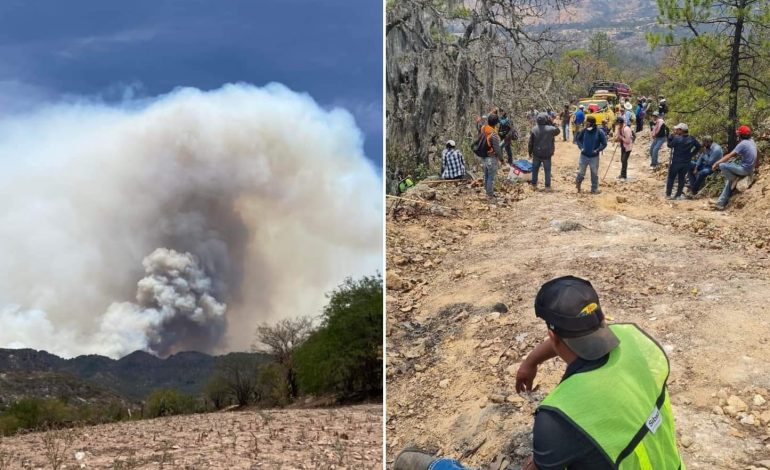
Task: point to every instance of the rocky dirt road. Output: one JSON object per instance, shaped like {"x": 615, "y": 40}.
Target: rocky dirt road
{"x": 340, "y": 438}
{"x": 697, "y": 280}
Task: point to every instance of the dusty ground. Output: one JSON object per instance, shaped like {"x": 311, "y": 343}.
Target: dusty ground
{"x": 697, "y": 280}
{"x": 342, "y": 438}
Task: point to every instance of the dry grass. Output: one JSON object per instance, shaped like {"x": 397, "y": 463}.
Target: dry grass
{"x": 349, "y": 437}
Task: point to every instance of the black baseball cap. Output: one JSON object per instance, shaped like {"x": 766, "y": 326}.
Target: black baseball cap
{"x": 570, "y": 307}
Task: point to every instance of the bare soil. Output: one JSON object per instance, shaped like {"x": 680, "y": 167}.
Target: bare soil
{"x": 696, "y": 279}
{"x": 339, "y": 438}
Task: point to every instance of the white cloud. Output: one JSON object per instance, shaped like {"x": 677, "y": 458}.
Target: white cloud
{"x": 268, "y": 190}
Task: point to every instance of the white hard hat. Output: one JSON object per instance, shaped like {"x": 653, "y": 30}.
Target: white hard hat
{"x": 450, "y": 143}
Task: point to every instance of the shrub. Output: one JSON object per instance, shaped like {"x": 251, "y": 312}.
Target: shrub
{"x": 35, "y": 413}
{"x": 272, "y": 386}
{"x": 217, "y": 392}
{"x": 168, "y": 402}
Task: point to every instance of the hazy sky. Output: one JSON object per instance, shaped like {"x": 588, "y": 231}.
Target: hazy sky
{"x": 115, "y": 50}
{"x": 119, "y": 136}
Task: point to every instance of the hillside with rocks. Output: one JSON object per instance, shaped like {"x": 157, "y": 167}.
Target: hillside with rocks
{"x": 463, "y": 274}
{"x": 346, "y": 437}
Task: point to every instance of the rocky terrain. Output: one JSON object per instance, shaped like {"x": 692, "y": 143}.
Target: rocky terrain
{"x": 463, "y": 273}
{"x": 340, "y": 438}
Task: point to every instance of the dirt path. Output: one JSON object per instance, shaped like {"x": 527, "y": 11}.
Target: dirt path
{"x": 340, "y": 438}
{"x": 697, "y": 280}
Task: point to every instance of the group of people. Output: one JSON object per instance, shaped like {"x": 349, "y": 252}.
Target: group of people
{"x": 691, "y": 161}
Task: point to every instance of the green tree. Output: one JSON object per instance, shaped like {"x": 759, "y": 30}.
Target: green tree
{"x": 602, "y": 48}
{"x": 169, "y": 402}
{"x": 731, "y": 39}
{"x": 345, "y": 354}
{"x": 217, "y": 391}
{"x": 272, "y": 387}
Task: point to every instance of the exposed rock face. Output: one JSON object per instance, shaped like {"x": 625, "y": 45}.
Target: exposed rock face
{"x": 448, "y": 64}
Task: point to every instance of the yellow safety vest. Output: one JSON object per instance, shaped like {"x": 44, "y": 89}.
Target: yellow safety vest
{"x": 624, "y": 406}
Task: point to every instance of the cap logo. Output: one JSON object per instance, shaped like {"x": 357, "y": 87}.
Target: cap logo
{"x": 588, "y": 310}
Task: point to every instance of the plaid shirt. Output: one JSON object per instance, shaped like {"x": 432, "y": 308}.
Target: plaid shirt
{"x": 452, "y": 163}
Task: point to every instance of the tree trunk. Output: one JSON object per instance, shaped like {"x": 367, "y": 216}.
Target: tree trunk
{"x": 732, "y": 116}
{"x": 291, "y": 378}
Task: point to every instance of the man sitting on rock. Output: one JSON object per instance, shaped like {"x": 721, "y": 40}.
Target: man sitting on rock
{"x": 747, "y": 151}
{"x": 611, "y": 409}
{"x": 701, "y": 168}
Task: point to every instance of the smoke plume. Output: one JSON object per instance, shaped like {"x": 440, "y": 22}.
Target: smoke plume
{"x": 178, "y": 223}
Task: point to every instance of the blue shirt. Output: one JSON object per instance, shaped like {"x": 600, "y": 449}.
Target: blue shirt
{"x": 580, "y": 116}
{"x": 591, "y": 142}
{"x": 747, "y": 150}
{"x": 709, "y": 156}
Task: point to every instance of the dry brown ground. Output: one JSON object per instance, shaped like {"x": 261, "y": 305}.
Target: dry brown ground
{"x": 697, "y": 280}
{"x": 340, "y": 438}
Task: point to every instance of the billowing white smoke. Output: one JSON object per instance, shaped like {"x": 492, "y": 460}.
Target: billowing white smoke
{"x": 242, "y": 204}
{"x": 174, "y": 305}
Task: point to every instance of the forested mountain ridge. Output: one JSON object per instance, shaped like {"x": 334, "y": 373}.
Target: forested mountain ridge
{"x": 131, "y": 377}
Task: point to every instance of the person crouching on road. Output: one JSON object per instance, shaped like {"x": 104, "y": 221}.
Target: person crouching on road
{"x": 611, "y": 408}
{"x": 541, "y": 148}
{"x": 624, "y": 138}
{"x": 684, "y": 147}
{"x": 452, "y": 162}
{"x": 747, "y": 151}
{"x": 591, "y": 142}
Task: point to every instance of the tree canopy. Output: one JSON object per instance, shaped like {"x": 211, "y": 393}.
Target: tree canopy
{"x": 345, "y": 354}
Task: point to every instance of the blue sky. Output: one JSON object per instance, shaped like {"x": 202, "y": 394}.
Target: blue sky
{"x": 331, "y": 49}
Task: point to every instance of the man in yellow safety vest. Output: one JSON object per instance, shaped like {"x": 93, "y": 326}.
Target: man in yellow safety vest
{"x": 611, "y": 409}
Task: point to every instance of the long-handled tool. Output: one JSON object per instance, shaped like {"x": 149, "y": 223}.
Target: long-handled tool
{"x": 608, "y": 166}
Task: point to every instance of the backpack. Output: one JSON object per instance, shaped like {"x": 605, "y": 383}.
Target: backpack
{"x": 505, "y": 128}
{"x": 480, "y": 146}
{"x": 405, "y": 184}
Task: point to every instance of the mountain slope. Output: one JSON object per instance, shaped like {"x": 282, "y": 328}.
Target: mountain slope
{"x": 132, "y": 377}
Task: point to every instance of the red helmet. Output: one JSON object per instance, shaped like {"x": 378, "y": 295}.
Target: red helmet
{"x": 744, "y": 130}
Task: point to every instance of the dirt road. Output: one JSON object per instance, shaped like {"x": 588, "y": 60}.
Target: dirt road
{"x": 697, "y": 280}
{"x": 340, "y": 438}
